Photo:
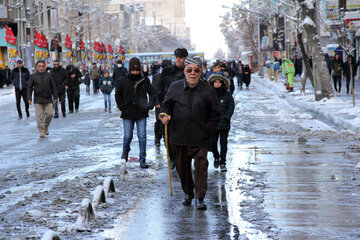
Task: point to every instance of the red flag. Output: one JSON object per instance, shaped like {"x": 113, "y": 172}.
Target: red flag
{"x": 10, "y": 37}
{"x": 38, "y": 39}
{"x": 44, "y": 41}
{"x": 121, "y": 49}
{"x": 110, "y": 50}
{"x": 82, "y": 45}
{"x": 103, "y": 48}
{"x": 68, "y": 44}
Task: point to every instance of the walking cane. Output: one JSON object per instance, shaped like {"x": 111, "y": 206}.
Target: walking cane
{"x": 161, "y": 115}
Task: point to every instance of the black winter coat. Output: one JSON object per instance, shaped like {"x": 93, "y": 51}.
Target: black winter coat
{"x": 44, "y": 88}
{"x": 132, "y": 96}
{"x": 15, "y": 78}
{"x": 168, "y": 76}
{"x": 118, "y": 74}
{"x": 74, "y": 83}
{"x": 61, "y": 78}
{"x": 227, "y": 106}
{"x": 194, "y": 113}
{"x": 347, "y": 72}
{"x": 247, "y": 75}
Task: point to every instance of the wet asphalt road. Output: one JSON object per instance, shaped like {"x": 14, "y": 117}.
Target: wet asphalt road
{"x": 276, "y": 187}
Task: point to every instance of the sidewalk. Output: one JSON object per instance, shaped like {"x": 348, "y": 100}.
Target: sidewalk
{"x": 338, "y": 110}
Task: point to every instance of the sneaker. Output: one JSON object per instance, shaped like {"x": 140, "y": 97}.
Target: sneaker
{"x": 216, "y": 163}
{"x": 223, "y": 168}
{"x": 143, "y": 164}
{"x": 200, "y": 204}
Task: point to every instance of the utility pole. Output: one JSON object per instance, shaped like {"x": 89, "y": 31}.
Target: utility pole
{"x": 271, "y": 47}
{"x": 62, "y": 29}
{"x": 32, "y": 46}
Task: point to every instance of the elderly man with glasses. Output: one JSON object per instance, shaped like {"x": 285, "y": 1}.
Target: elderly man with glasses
{"x": 61, "y": 79}
{"x": 192, "y": 107}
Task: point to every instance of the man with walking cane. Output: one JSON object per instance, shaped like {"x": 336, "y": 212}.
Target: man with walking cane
{"x": 192, "y": 107}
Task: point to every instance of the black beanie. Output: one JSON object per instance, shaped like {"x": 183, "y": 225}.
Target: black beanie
{"x": 134, "y": 64}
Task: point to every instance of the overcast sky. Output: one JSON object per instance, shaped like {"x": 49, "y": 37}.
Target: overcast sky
{"x": 203, "y": 18}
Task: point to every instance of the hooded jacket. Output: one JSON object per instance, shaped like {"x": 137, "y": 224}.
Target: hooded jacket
{"x": 134, "y": 97}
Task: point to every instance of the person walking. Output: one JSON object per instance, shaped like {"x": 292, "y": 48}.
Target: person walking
{"x": 73, "y": 90}
{"x": 192, "y": 107}
{"x": 337, "y": 70}
{"x": 44, "y": 88}
{"x": 87, "y": 81}
{"x": 119, "y": 72}
{"x": 289, "y": 69}
{"x": 7, "y": 72}
{"x": 135, "y": 97}
{"x": 20, "y": 77}
{"x": 61, "y": 79}
{"x": 240, "y": 74}
{"x": 158, "y": 126}
{"x": 227, "y": 106}
{"x": 95, "y": 76}
{"x": 168, "y": 76}
{"x": 106, "y": 85}
{"x": 247, "y": 76}
{"x": 350, "y": 67}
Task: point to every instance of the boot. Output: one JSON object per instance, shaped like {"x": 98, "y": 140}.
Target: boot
{"x": 143, "y": 164}
{"x": 125, "y": 156}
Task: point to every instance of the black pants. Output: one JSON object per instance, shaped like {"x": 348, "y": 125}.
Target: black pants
{"x": 96, "y": 85}
{"x": 240, "y": 80}
{"x": 157, "y": 126}
{"x": 61, "y": 99}
{"x": 337, "y": 81}
{"x": 18, "y": 94}
{"x": 348, "y": 80}
{"x": 223, "y": 134}
{"x": 73, "y": 97}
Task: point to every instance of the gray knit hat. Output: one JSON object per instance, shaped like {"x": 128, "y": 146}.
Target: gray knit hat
{"x": 193, "y": 60}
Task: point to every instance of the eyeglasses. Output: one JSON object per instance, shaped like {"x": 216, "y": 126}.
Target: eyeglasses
{"x": 189, "y": 70}
{"x": 56, "y": 64}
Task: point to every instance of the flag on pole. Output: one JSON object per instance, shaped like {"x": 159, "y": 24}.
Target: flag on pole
{"x": 97, "y": 52}
{"x": 68, "y": 50}
{"x": 110, "y": 54}
{"x": 82, "y": 50}
{"x": 11, "y": 46}
{"x": 104, "y": 57}
{"x": 45, "y": 48}
{"x": 38, "y": 42}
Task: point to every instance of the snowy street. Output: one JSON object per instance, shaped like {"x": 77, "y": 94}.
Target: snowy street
{"x": 291, "y": 175}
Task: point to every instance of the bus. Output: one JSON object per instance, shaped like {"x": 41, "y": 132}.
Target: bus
{"x": 152, "y": 57}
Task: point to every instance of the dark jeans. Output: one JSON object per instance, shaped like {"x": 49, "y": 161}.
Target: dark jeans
{"x": 18, "y": 94}
{"x": 348, "y": 80}
{"x": 96, "y": 85}
{"x": 157, "y": 126}
{"x": 184, "y": 156}
{"x": 337, "y": 80}
{"x": 87, "y": 89}
{"x": 61, "y": 99}
{"x": 73, "y": 97}
{"x": 223, "y": 134}
{"x": 240, "y": 80}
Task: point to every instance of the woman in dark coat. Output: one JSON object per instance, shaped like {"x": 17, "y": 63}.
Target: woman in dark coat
{"x": 247, "y": 75}
{"x": 350, "y": 67}
{"x": 227, "y": 106}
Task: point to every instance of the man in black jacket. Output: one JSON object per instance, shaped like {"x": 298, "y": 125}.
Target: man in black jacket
{"x": 73, "y": 89}
{"x": 131, "y": 97}
{"x": 20, "y": 77}
{"x": 61, "y": 79}
{"x": 168, "y": 76}
{"x": 119, "y": 72}
{"x": 45, "y": 91}
{"x": 192, "y": 106}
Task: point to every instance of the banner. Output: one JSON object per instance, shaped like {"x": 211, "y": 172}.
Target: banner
{"x": 104, "y": 57}
{"x": 111, "y": 54}
{"x": 68, "y": 50}
{"x": 97, "y": 52}
{"x": 38, "y": 42}
{"x": 82, "y": 50}
{"x": 122, "y": 52}
{"x": 45, "y": 48}
{"x": 11, "y": 46}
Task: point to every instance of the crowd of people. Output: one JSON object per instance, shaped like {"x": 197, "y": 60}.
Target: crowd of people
{"x": 195, "y": 101}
